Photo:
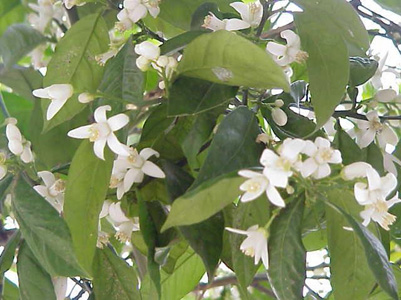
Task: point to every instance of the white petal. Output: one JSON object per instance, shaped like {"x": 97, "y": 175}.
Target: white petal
{"x": 335, "y": 157}
{"x": 82, "y": 132}
{"x": 292, "y": 39}
{"x": 13, "y": 133}
{"x": 148, "y": 152}
{"x": 116, "y": 213}
{"x": 138, "y": 13}
{"x": 367, "y": 138}
{"x": 361, "y": 193}
{"x": 105, "y": 209}
{"x": 236, "y": 24}
{"x": 236, "y": 230}
{"x": 98, "y": 148}
{"x": 41, "y": 93}
{"x": 47, "y": 177}
{"x": 279, "y": 116}
{"x": 241, "y": 8}
{"x": 274, "y": 196}
{"x": 387, "y": 184}
{"x": 148, "y": 50}
{"x": 3, "y": 171}
{"x": 386, "y": 95}
{"x": 276, "y": 49}
{"x": 372, "y": 115}
{"x": 322, "y": 143}
{"x": 60, "y": 287}
{"x": 41, "y": 190}
{"x": 60, "y": 91}
{"x": 54, "y": 107}
{"x": 310, "y": 148}
{"x": 374, "y": 179}
{"x": 133, "y": 175}
{"x": 389, "y": 135}
{"x": 27, "y": 155}
{"x": 276, "y": 177}
{"x": 150, "y": 169}
{"x": 15, "y": 147}
{"x": 249, "y": 173}
{"x": 355, "y": 170}
{"x": 100, "y": 113}
{"x": 116, "y": 146}
{"x": 322, "y": 171}
{"x": 118, "y": 121}
{"x": 154, "y": 11}
{"x": 308, "y": 167}
{"x": 268, "y": 158}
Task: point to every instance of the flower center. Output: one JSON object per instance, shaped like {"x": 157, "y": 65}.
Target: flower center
{"x": 114, "y": 182}
{"x": 57, "y": 188}
{"x": 253, "y": 187}
{"x": 301, "y": 56}
{"x": 283, "y": 164}
{"x": 380, "y": 206}
{"x": 325, "y": 154}
{"x": 249, "y": 251}
{"x": 253, "y": 8}
{"x": 153, "y": 3}
{"x": 94, "y": 133}
{"x": 2, "y": 158}
{"x": 376, "y": 126}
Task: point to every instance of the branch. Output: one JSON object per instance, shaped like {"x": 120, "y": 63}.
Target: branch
{"x": 273, "y": 33}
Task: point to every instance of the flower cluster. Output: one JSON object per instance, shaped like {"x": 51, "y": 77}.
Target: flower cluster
{"x": 279, "y": 167}
{"x": 149, "y": 54}
{"x": 17, "y": 144}
{"x": 135, "y": 10}
{"x": 373, "y": 193}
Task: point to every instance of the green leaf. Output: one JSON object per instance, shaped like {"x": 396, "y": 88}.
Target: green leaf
{"x": 187, "y": 273}
{"x": 344, "y": 20}
{"x": 361, "y": 70}
{"x": 219, "y": 57}
{"x": 350, "y": 274}
{"x": 87, "y": 185}
{"x": 113, "y": 279}
{"x": 328, "y": 64}
{"x": 22, "y": 80}
{"x": 7, "y": 256}
{"x": 193, "y": 96}
{"x": 11, "y": 11}
{"x": 235, "y": 141}
{"x": 244, "y": 216}
{"x": 75, "y": 63}
{"x": 19, "y": 108}
{"x": 122, "y": 78}
{"x": 179, "y": 42}
{"x": 45, "y": 232}
{"x": 204, "y": 201}
{"x": 379, "y": 294}
{"x": 375, "y": 254}
{"x": 18, "y": 41}
{"x": 34, "y": 282}
{"x": 199, "y": 15}
{"x": 287, "y": 255}
{"x": 10, "y": 290}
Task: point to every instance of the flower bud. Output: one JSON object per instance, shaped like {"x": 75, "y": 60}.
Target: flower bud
{"x": 279, "y": 103}
{"x": 355, "y": 170}
{"x": 279, "y": 116}
{"x": 385, "y": 96}
{"x": 86, "y": 97}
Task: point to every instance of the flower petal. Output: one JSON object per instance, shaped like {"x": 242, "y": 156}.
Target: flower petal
{"x": 374, "y": 179}
{"x": 100, "y": 113}
{"x": 41, "y": 93}
{"x": 276, "y": 48}
{"x": 268, "y": 158}
{"x": 60, "y": 91}
{"x": 367, "y": 138}
{"x": 116, "y": 146}
{"x": 274, "y": 196}
{"x": 249, "y": 173}
{"x": 133, "y": 175}
{"x": 150, "y": 169}
{"x": 322, "y": 171}
{"x": 118, "y": 121}
{"x": 98, "y": 148}
{"x": 82, "y": 132}
{"x": 138, "y": 13}
{"x": 308, "y": 167}
{"x": 54, "y": 107}
{"x": 148, "y": 152}
{"x": 236, "y": 24}
{"x": 47, "y": 177}
{"x": 387, "y": 184}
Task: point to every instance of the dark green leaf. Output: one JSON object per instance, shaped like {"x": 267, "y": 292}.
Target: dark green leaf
{"x": 34, "y": 282}
{"x": 10, "y": 290}
{"x": 361, "y": 70}
{"x": 198, "y": 17}
{"x": 287, "y": 255}
{"x": 235, "y": 141}
{"x": 375, "y": 254}
{"x": 17, "y": 41}
{"x": 219, "y": 57}
{"x": 179, "y": 42}
{"x": 75, "y": 63}
{"x": 11, "y": 11}
{"x": 193, "y": 96}
{"x": 7, "y": 256}
{"x": 350, "y": 274}
{"x": 122, "y": 78}
{"x": 45, "y": 232}
{"x": 113, "y": 279}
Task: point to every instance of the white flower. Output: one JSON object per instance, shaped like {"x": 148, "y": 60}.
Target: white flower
{"x": 46, "y": 10}
{"x": 137, "y": 165}
{"x": 52, "y": 191}
{"x": 117, "y": 182}
{"x": 58, "y": 94}
{"x": 320, "y": 155}
{"x": 263, "y": 138}
{"x": 255, "y": 245}
{"x": 37, "y": 57}
{"x": 256, "y": 185}
{"x": 101, "y": 59}
{"x": 376, "y": 79}
{"x": 60, "y": 287}
{"x": 17, "y": 143}
{"x": 3, "y": 166}
{"x": 251, "y": 12}
{"x": 284, "y": 55}
{"x": 374, "y": 128}
{"x": 117, "y": 217}
{"x": 278, "y": 168}
{"x": 148, "y": 53}
{"x": 389, "y": 161}
{"x": 101, "y": 132}
{"x": 213, "y": 23}
{"x": 373, "y": 196}
{"x": 355, "y": 170}
{"x": 86, "y": 97}
{"x": 135, "y": 10}
{"x": 70, "y": 3}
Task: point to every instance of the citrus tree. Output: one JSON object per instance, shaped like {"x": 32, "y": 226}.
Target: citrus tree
{"x": 189, "y": 148}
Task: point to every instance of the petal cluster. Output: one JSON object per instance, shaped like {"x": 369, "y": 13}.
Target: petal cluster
{"x": 135, "y": 10}
{"x": 17, "y": 144}
{"x": 52, "y": 190}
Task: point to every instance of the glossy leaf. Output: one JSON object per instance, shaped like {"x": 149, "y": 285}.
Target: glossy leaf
{"x": 179, "y": 42}
{"x": 375, "y": 254}
{"x": 17, "y": 41}
{"x": 244, "y": 216}
{"x": 113, "y": 278}
{"x": 219, "y": 57}
{"x": 34, "y": 282}
{"x": 75, "y": 63}
{"x": 10, "y": 290}
{"x": 328, "y": 65}
{"x": 11, "y": 11}
{"x": 234, "y": 146}
{"x": 45, "y": 232}
{"x": 361, "y": 70}
{"x": 87, "y": 185}
{"x": 350, "y": 274}
{"x": 287, "y": 255}
{"x": 122, "y": 78}
{"x": 7, "y": 256}
{"x": 193, "y": 96}
{"x": 204, "y": 201}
